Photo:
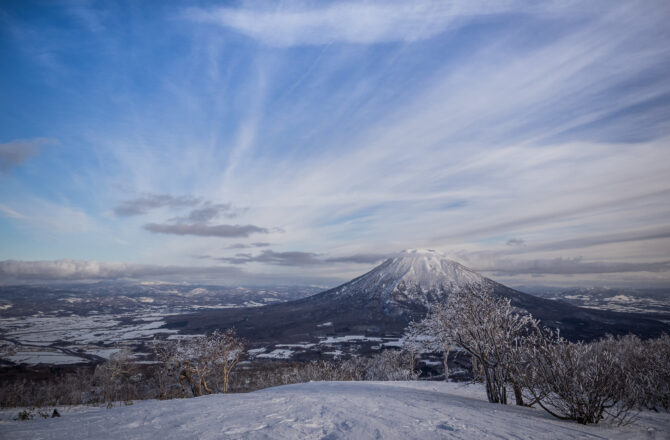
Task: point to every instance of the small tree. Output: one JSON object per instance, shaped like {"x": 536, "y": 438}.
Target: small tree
{"x": 435, "y": 333}
{"x": 115, "y": 377}
{"x": 228, "y": 350}
{"x": 195, "y": 361}
{"x": 167, "y": 369}
{"x": 413, "y": 343}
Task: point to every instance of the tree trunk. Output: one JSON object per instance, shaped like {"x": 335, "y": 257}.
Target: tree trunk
{"x": 518, "y": 395}
{"x": 476, "y": 370}
{"x": 203, "y": 385}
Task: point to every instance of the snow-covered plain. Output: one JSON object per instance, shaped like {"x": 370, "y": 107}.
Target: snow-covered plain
{"x": 58, "y": 339}
{"x": 327, "y": 410}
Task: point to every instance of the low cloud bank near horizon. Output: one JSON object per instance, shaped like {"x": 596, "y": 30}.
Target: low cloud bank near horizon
{"x": 67, "y": 270}
{"x": 513, "y": 272}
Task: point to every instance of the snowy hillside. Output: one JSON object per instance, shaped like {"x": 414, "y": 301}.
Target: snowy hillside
{"x": 327, "y": 410}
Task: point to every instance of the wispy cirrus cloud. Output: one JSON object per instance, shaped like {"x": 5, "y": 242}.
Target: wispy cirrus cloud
{"x": 386, "y": 125}
{"x": 9, "y": 212}
{"x": 517, "y": 246}
{"x": 657, "y": 233}
{"x": 297, "y": 24}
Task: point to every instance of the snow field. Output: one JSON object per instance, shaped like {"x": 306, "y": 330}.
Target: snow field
{"x": 327, "y": 410}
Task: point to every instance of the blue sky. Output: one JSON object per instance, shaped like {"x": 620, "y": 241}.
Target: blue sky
{"x": 304, "y": 141}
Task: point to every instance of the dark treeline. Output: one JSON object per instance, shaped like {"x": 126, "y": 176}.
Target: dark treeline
{"x": 120, "y": 380}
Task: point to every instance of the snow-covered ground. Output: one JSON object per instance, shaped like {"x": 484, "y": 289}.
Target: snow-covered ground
{"x": 327, "y": 410}
{"x": 42, "y": 339}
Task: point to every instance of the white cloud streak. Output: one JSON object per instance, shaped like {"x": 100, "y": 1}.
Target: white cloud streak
{"x": 354, "y": 22}
{"x": 9, "y": 212}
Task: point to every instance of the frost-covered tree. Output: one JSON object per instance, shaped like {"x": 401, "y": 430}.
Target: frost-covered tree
{"x": 589, "y": 382}
{"x": 434, "y": 333}
{"x": 198, "y": 361}
{"x": 227, "y": 350}
{"x": 116, "y": 377}
{"x": 413, "y": 344}
{"x": 488, "y": 328}
{"x": 656, "y": 378}
{"x": 390, "y": 365}
{"x": 574, "y": 381}
{"x": 167, "y": 370}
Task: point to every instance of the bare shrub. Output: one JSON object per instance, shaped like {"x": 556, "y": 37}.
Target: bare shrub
{"x": 652, "y": 389}
{"x": 196, "y": 363}
{"x": 609, "y": 379}
{"x": 390, "y": 365}
{"x": 387, "y": 365}
{"x": 68, "y": 389}
{"x": 577, "y": 381}
{"x": 118, "y": 377}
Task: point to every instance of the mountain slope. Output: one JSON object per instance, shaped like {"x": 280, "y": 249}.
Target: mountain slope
{"x": 384, "y": 300}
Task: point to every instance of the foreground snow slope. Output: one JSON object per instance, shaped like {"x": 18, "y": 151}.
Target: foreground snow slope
{"x": 327, "y": 410}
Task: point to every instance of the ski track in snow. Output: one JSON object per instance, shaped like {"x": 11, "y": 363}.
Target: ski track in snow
{"x": 327, "y": 410}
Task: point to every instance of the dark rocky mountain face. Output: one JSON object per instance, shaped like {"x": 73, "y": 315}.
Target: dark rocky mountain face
{"x": 383, "y": 301}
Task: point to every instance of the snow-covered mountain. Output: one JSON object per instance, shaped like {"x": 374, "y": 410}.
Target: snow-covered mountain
{"x": 384, "y": 300}
{"x": 413, "y": 278}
